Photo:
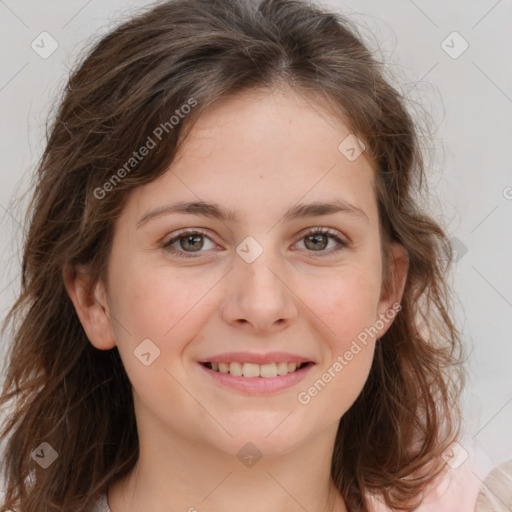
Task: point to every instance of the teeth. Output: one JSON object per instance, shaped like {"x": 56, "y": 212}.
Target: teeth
{"x": 266, "y": 371}
{"x": 282, "y": 368}
{"x": 235, "y": 369}
{"x": 250, "y": 369}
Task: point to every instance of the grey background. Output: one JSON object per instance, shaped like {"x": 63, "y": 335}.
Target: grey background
{"x": 468, "y": 101}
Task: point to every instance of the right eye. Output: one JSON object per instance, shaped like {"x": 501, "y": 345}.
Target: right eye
{"x": 189, "y": 241}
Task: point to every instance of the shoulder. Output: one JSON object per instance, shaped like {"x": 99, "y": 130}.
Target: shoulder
{"x": 101, "y": 504}
{"x": 457, "y": 489}
{"x": 496, "y": 492}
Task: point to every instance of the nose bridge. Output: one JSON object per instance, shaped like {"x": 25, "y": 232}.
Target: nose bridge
{"x": 258, "y": 271}
{"x": 258, "y": 294}
{"x": 261, "y": 275}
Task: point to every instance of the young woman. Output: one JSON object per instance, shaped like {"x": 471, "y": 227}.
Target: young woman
{"x": 231, "y": 297}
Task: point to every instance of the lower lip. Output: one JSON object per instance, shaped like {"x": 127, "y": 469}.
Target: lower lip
{"x": 259, "y": 385}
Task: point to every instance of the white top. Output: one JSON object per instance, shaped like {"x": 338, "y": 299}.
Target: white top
{"x": 102, "y": 505}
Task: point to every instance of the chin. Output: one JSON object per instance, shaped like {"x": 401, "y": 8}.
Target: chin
{"x": 265, "y": 434}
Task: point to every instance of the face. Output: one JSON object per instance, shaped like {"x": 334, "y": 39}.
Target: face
{"x": 268, "y": 287}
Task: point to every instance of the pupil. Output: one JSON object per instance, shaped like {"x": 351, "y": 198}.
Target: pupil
{"x": 316, "y": 244}
{"x": 192, "y": 239}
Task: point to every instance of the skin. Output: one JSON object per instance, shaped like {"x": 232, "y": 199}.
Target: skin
{"x": 257, "y": 153}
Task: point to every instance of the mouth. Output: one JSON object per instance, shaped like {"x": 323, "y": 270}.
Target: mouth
{"x": 254, "y": 370}
{"x": 255, "y": 374}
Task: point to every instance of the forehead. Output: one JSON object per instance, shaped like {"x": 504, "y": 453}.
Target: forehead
{"x": 260, "y": 149}
{"x": 265, "y": 122}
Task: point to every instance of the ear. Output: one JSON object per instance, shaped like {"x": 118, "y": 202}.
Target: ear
{"x": 91, "y": 306}
{"x": 393, "y": 289}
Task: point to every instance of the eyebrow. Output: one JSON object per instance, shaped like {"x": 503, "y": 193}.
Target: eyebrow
{"x": 215, "y": 211}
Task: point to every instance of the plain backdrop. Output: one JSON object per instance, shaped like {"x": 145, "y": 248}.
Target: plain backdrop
{"x": 451, "y": 58}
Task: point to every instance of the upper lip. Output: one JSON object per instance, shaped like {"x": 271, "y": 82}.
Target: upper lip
{"x": 253, "y": 357}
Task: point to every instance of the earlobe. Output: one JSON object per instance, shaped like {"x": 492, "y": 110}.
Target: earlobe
{"x": 391, "y": 294}
{"x": 91, "y": 306}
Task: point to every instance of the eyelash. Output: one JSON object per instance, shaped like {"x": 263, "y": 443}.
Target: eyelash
{"x": 314, "y": 231}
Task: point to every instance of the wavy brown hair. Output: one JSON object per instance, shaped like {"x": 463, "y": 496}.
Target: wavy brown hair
{"x": 63, "y": 391}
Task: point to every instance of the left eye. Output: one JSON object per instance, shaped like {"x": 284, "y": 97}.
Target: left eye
{"x": 318, "y": 239}
{"x": 191, "y": 242}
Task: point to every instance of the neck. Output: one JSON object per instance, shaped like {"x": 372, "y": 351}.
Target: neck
{"x": 173, "y": 471}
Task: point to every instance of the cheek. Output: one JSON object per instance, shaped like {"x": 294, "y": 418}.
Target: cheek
{"x": 155, "y": 302}
{"x": 341, "y": 383}
{"x": 162, "y": 307}
{"x": 345, "y": 302}
{"x": 341, "y": 375}
{"x": 347, "y": 305}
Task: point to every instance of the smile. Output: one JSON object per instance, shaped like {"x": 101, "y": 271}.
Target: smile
{"x": 252, "y": 370}
{"x": 253, "y": 378}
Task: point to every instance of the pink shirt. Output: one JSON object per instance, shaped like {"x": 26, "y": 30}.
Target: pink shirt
{"x": 458, "y": 489}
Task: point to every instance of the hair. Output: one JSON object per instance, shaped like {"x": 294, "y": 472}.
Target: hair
{"x": 77, "y": 398}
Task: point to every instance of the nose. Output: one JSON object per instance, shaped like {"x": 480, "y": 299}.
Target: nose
{"x": 258, "y": 298}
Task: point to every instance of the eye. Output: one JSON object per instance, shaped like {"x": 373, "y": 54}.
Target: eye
{"x": 317, "y": 239}
{"x": 188, "y": 241}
